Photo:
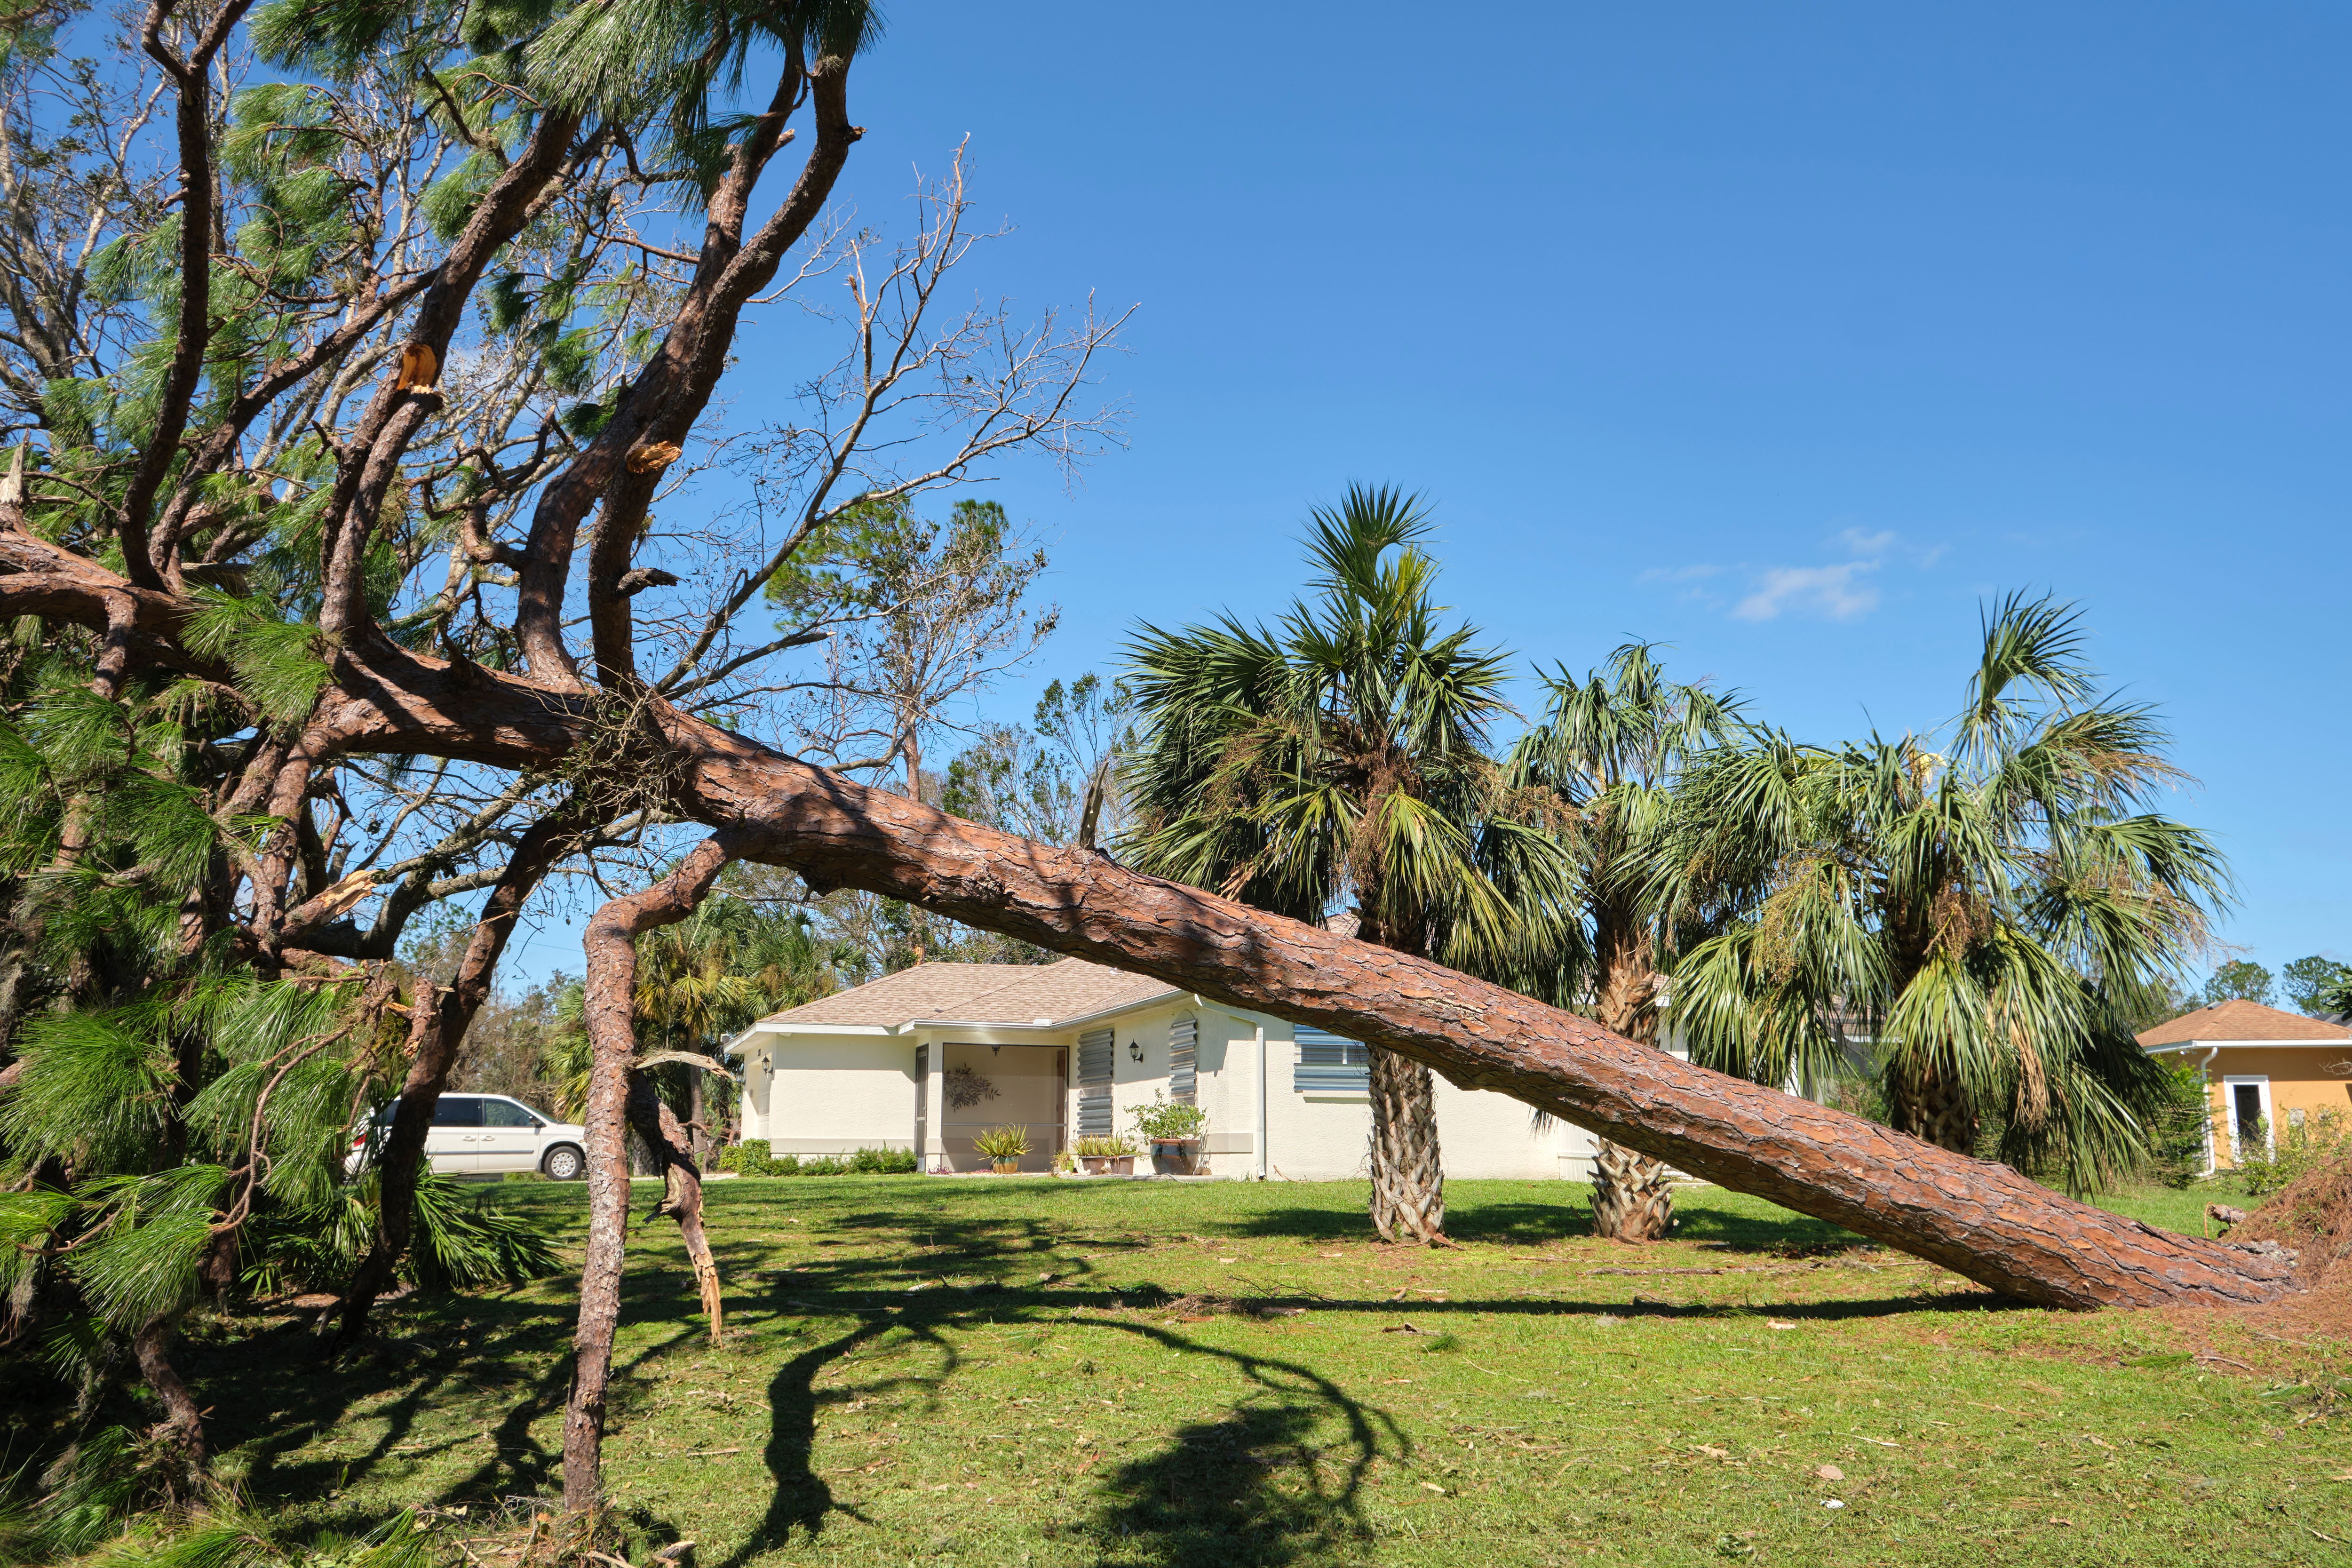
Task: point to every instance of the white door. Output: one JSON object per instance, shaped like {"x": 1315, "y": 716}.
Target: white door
{"x": 509, "y": 1136}
{"x": 455, "y": 1143}
{"x": 2247, "y": 1105}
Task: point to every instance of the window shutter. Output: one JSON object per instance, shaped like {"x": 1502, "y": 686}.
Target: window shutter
{"x": 922, "y": 1105}
{"x": 1183, "y": 1069}
{"x": 1331, "y": 1064}
{"x": 1096, "y": 1049}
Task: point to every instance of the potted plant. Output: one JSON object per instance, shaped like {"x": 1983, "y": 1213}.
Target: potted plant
{"x": 1174, "y": 1129}
{"x": 1099, "y": 1156}
{"x": 1004, "y": 1146}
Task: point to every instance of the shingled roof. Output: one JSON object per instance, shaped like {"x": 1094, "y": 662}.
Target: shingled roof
{"x": 982, "y": 993}
{"x": 2238, "y": 1019}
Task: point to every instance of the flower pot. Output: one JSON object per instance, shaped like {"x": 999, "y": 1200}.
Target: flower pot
{"x": 1094, "y": 1165}
{"x": 1177, "y": 1156}
{"x": 1007, "y": 1167}
{"x": 1122, "y": 1164}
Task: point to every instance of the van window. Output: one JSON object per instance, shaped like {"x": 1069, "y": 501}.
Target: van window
{"x": 506, "y": 1113}
{"x": 457, "y": 1111}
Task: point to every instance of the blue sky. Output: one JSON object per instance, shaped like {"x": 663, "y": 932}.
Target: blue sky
{"x": 1784, "y": 336}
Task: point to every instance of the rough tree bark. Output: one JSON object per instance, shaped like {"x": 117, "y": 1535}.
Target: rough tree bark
{"x": 1408, "y": 1172}
{"x": 611, "y": 961}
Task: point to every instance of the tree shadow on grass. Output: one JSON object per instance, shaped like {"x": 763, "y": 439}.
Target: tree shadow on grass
{"x": 1256, "y": 1486}
{"x": 1261, "y": 1486}
{"x": 431, "y": 1352}
{"x": 802, "y": 1500}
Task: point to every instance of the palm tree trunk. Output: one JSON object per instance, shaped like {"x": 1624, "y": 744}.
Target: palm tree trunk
{"x": 612, "y": 954}
{"x": 697, "y": 1125}
{"x": 1633, "y": 1194}
{"x": 1936, "y": 1107}
{"x": 1408, "y": 1177}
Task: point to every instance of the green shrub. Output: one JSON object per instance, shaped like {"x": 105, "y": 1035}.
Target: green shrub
{"x": 2299, "y": 1148}
{"x": 1096, "y": 1147}
{"x": 1164, "y": 1118}
{"x": 746, "y": 1159}
{"x": 752, "y": 1158}
{"x": 2176, "y": 1132}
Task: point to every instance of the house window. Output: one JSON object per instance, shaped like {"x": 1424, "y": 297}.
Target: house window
{"x": 1096, "y": 1049}
{"x": 1184, "y": 1067}
{"x": 1331, "y": 1064}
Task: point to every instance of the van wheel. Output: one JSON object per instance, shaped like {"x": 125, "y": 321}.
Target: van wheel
{"x": 563, "y": 1164}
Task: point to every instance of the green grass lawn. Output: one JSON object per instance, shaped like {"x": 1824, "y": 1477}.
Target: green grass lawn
{"x": 996, "y": 1373}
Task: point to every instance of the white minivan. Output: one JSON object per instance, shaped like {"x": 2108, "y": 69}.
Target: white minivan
{"x": 482, "y": 1133}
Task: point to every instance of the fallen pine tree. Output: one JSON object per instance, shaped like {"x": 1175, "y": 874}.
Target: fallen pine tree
{"x": 240, "y": 536}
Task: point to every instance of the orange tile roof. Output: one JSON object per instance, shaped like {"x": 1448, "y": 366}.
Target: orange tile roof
{"x": 982, "y": 993}
{"x": 2237, "y": 1019}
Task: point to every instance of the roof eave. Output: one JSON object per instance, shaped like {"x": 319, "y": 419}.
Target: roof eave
{"x": 1030, "y": 1025}
{"x": 2262, "y": 1045}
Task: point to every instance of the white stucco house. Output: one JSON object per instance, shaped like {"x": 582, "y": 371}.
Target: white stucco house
{"x": 1065, "y": 1049}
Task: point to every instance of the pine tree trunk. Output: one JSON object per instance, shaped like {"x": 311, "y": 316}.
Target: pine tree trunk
{"x": 1979, "y": 1220}
{"x": 1408, "y": 1176}
{"x": 612, "y": 956}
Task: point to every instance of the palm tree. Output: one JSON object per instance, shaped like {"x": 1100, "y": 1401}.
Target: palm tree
{"x": 1991, "y": 909}
{"x": 1336, "y": 764}
{"x": 1607, "y": 757}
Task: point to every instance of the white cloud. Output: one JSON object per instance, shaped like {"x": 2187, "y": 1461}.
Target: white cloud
{"x": 1832, "y": 591}
{"x": 1872, "y": 546}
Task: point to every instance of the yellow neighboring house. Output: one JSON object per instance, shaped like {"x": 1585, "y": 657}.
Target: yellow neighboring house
{"x": 2264, "y": 1070}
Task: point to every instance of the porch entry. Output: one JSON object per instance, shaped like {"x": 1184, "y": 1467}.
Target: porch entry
{"x": 1017, "y": 1085}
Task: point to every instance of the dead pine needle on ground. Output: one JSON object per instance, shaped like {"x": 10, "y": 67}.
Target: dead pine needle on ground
{"x": 1025, "y": 1370}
